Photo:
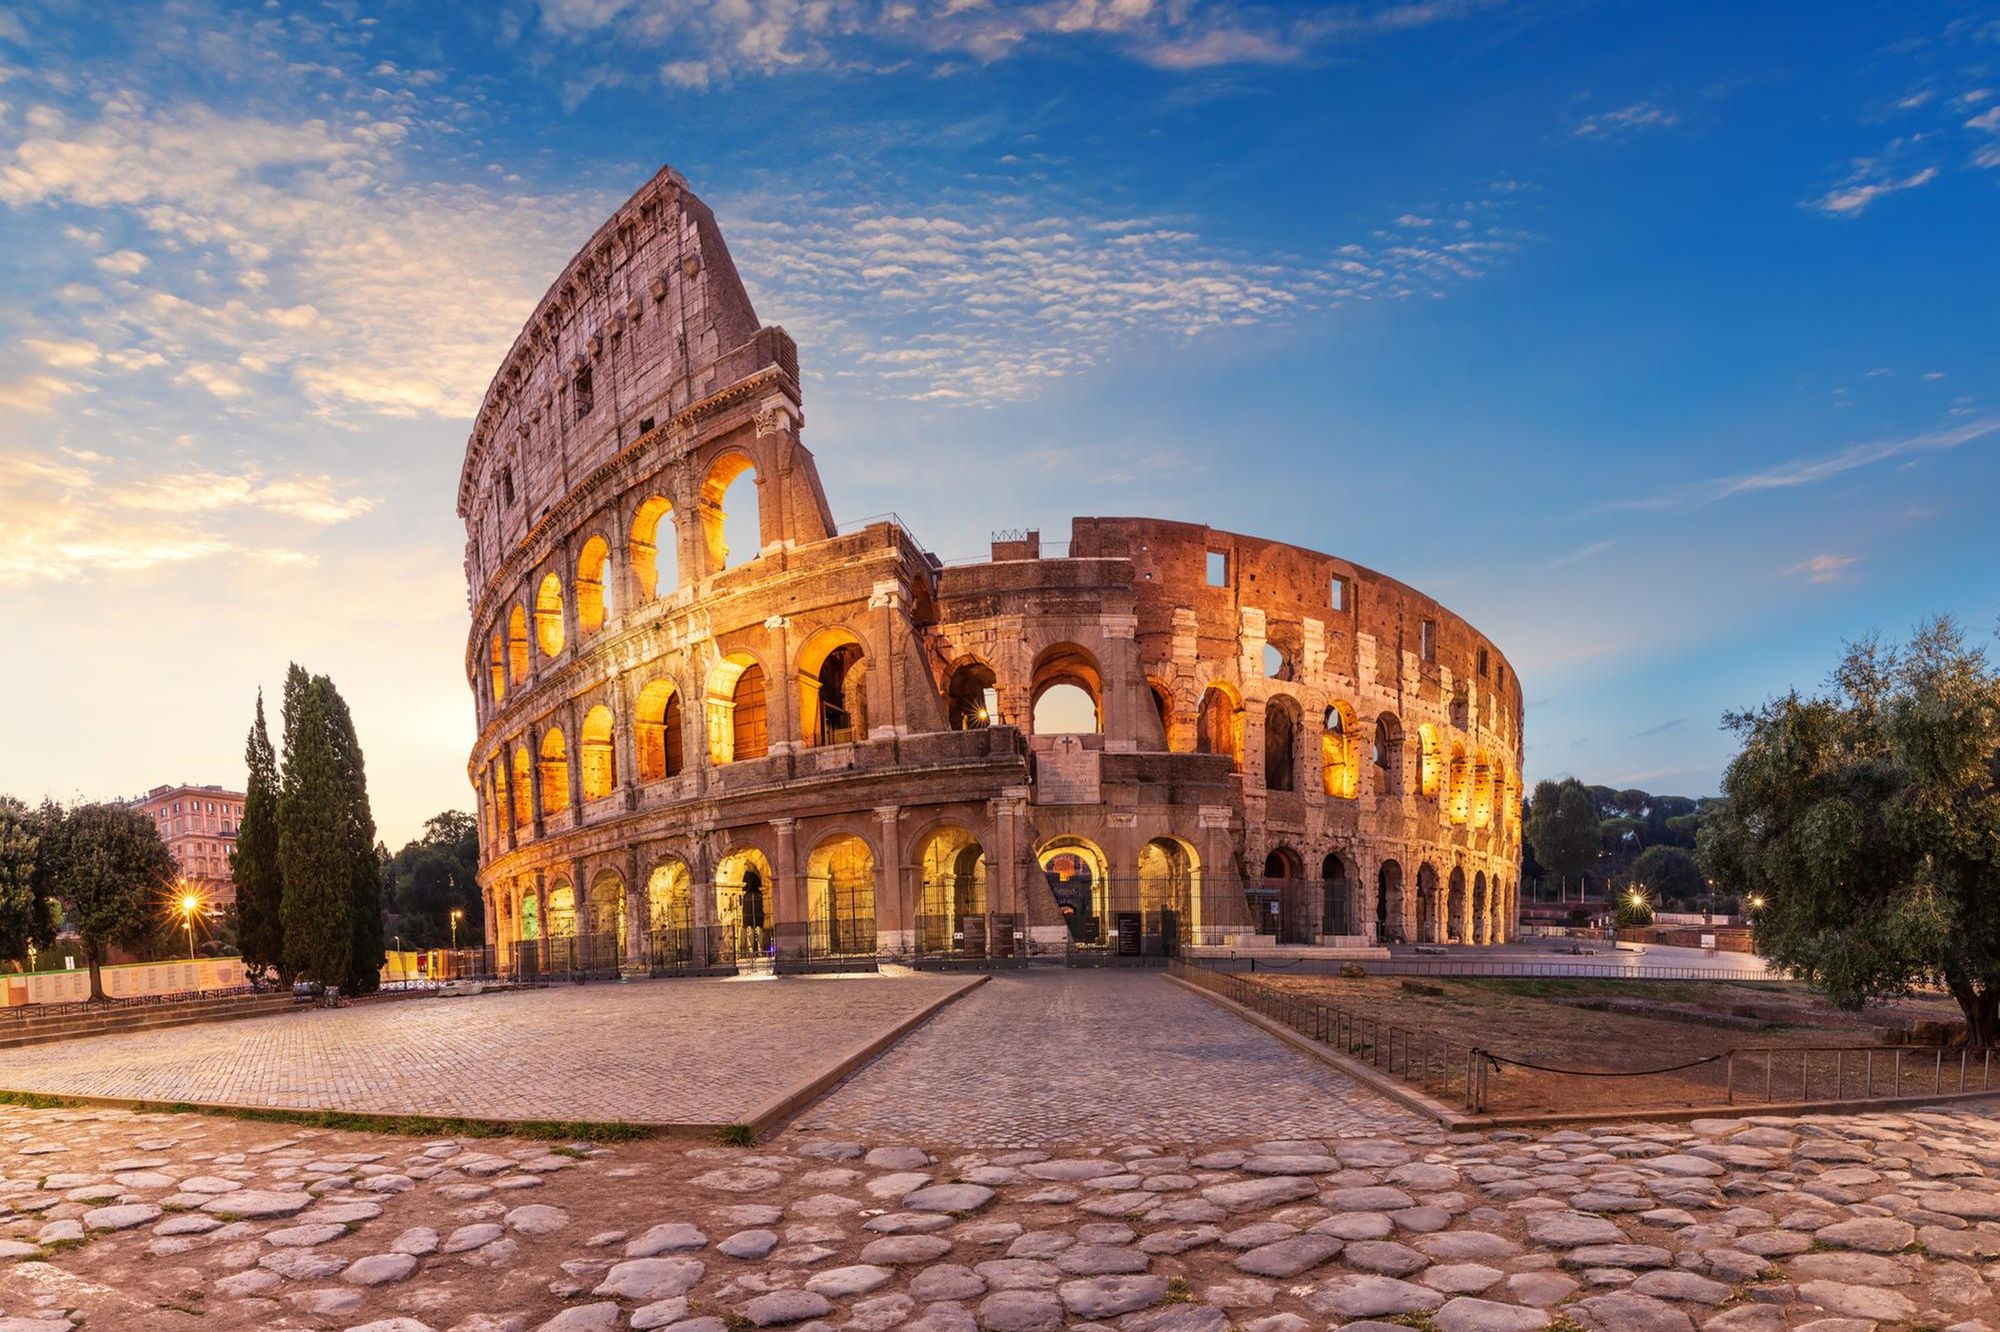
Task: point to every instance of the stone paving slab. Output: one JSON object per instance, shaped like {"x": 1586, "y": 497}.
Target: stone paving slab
{"x": 1096, "y": 1056}
{"x": 663, "y": 1052}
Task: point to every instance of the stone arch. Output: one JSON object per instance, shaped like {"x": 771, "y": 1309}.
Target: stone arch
{"x": 972, "y": 695}
{"x": 1079, "y": 879}
{"x": 655, "y": 562}
{"x": 1281, "y": 743}
{"x": 1170, "y": 891}
{"x": 1389, "y": 902}
{"x": 1430, "y": 760}
{"x": 1482, "y": 790}
{"x": 604, "y": 908}
{"x": 657, "y": 731}
{"x": 1339, "y": 746}
{"x": 738, "y": 710}
{"x": 1481, "y": 909}
{"x": 833, "y": 688}
{"x": 745, "y": 900}
{"x": 670, "y": 905}
{"x": 549, "y": 615}
{"x": 840, "y": 897}
{"x": 1065, "y": 679}
{"x": 554, "y": 771}
{"x": 951, "y": 891}
{"x": 1388, "y": 754}
{"x": 531, "y": 917}
{"x": 731, "y": 479}
{"x": 517, "y": 646}
{"x": 1457, "y": 908}
{"x": 1277, "y": 900}
{"x": 1458, "y": 800}
{"x": 1429, "y": 908}
{"x": 593, "y": 586}
{"x": 598, "y": 752}
{"x": 1219, "y": 728}
{"x": 1340, "y": 913}
{"x": 1162, "y": 696}
{"x": 497, "y": 669}
{"x": 496, "y": 786}
{"x": 561, "y": 922}
{"x": 524, "y": 802}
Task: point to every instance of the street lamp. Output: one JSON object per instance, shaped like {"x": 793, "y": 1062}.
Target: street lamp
{"x": 456, "y": 916}
{"x": 190, "y": 904}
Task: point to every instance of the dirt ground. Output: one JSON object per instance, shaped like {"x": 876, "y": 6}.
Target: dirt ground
{"x": 1630, "y": 1026}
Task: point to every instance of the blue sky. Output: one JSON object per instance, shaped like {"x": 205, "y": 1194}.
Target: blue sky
{"x": 1658, "y": 341}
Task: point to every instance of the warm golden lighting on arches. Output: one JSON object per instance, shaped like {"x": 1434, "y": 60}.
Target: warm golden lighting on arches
{"x": 657, "y": 731}
{"x": 721, "y": 484}
{"x": 517, "y": 647}
{"x": 549, "y": 615}
{"x": 1065, "y": 695}
{"x": 598, "y": 754}
{"x": 654, "y": 563}
{"x": 497, "y": 668}
{"x": 833, "y": 699}
{"x": 1430, "y": 760}
{"x": 1339, "y": 752}
{"x": 1482, "y": 790}
{"x": 1458, "y": 802}
{"x": 736, "y": 707}
{"x": 524, "y": 794}
{"x": 555, "y": 772}
{"x": 593, "y": 584}
{"x": 1219, "y": 724}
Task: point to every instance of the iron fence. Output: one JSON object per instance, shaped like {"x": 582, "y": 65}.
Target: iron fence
{"x": 25, "y": 1012}
{"x": 827, "y": 946}
{"x": 1475, "y": 968}
{"x": 1840, "y": 1073}
{"x": 575, "y": 957}
{"x": 979, "y": 942}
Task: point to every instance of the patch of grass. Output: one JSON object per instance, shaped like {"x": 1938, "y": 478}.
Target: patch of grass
{"x": 1421, "y": 1321}
{"x": 736, "y": 1135}
{"x": 422, "y": 1126}
{"x": 573, "y": 1153}
{"x": 177, "y": 1307}
{"x": 1563, "y": 1323}
{"x": 1178, "y": 1291}
{"x": 63, "y": 1245}
{"x": 37, "y": 1101}
{"x": 735, "y": 1322}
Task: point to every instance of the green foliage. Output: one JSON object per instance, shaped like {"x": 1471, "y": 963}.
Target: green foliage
{"x": 28, "y": 913}
{"x": 314, "y": 844}
{"x": 1669, "y": 874}
{"x": 260, "y": 887}
{"x": 432, "y": 877}
{"x": 1628, "y": 913}
{"x": 364, "y": 966}
{"x": 1868, "y": 820}
{"x": 108, "y": 864}
{"x": 1562, "y": 826}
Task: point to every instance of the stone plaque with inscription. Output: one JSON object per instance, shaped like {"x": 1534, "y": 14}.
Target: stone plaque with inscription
{"x": 1066, "y": 774}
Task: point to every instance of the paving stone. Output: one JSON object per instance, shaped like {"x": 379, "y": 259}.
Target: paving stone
{"x": 749, "y": 1244}
{"x": 1857, "y": 1301}
{"x": 1108, "y": 1296}
{"x": 949, "y": 1198}
{"x": 653, "y": 1279}
{"x": 671, "y": 1237}
{"x": 1875, "y": 1234}
{"x": 841, "y": 1283}
{"x": 1626, "y": 1312}
{"x": 1289, "y": 1257}
{"x": 900, "y": 1249}
{"x": 1364, "y": 1296}
{"x": 1467, "y": 1314}
{"x": 379, "y": 1269}
{"x": 122, "y": 1217}
{"x": 1021, "y": 1311}
{"x": 947, "y": 1282}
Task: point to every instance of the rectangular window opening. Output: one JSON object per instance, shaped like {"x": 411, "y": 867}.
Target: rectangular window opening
{"x": 1218, "y": 568}
{"x": 1427, "y": 641}
{"x": 1336, "y": 595}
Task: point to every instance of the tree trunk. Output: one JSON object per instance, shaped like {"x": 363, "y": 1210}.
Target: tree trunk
{"x": 1981, "y": 1009}
{"x": 96, "y": 970}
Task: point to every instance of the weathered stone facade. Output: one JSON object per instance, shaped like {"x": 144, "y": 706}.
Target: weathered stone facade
{"x": 828, "y": 746}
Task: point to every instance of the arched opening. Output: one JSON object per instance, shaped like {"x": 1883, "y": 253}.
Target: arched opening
{"x": 972, "y": 696}
{"x": 555, "y": 772}
{"x": 744, "y": 886}
{"x": 833, "y": 700}
{"x": 1337, "y": 913}
{"x": 1338, "y": 752}
{"x": 1163, "y": 714}
{"x": 1219, "y": 726}
{"x": 562, "y": 910}
{"x": 1457, "y": 910}
{"x": 1281, "y": 730}
{"x": 1079, "y": 879}
{"x": 1482, "y": 790}
{"x": 732, "y": 527}
{"x": 1389, "y": 903}
{"x": 605, "y": 912}
{"x": 549, "y": 615}
{"x": 655, "y": 567}
{"x": 524, "y": 803}
{"x": 1170, "y": 893}
{"x": 497, "y": 668}
{"x": 952, "y": 918}
{"x": 1430, "y": 760}
{"x": 1458, "y": 803}
{"x": 1481, "y": 910}
{"x": 593, "y": 586}
{"x": 517, "y": 647}
{"x": 1065, "y": 693}
{"x": 657, "y": 731}
{"x": 670, "y": 911}
{"x": 737, "y": 713}
{"x": 1428, "y": 906}
{"x": 503, "y": 808}
{"x": 1388, "y": 755}
{"x": 598, "y": 754}
{"x": 840, "y": 898}
{"x": 531, "y": 918}
{"x": 1277, "y": 904}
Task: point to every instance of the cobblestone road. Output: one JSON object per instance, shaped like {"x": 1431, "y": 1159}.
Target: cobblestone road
{"x": 692, "y": 1051}
{"x": 1095, "y": 1056}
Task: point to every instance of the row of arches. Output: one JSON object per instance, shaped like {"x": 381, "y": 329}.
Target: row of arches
{"x": 728, "y": 527}
{"x": 1452, "y": 909}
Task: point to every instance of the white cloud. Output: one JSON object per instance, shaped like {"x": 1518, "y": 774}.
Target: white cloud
{"x": 65, "y": 354}
{"x": 125, "y": 262}
{"x": 1855, "y": 196}
{"x": 1823, "y": 568}
{"x": 1638, "y": 116}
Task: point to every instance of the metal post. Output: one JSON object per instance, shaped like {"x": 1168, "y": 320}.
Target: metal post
{"x": 1963, "y": 1054}
{"x": 1937, "y": 1073}
{"x": 1839, "y": 1074}
{"x": 1868, "y": 1082}
{"x": 1767, "y": 1076}
{"x": 1899, "y": 1070}
{"x": 1729, "y": 1072}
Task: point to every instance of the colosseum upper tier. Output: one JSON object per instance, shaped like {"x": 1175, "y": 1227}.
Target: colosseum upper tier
{"x": 833, "y": 747}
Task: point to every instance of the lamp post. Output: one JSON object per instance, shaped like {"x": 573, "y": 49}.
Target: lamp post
{"x": 189, "y": 905}
{"x": 456, "y": 916}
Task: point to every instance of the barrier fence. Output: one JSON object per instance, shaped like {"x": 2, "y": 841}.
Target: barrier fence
{"x": 1490, "y": 968}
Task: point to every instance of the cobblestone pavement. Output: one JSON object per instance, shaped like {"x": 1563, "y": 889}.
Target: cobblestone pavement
{"x": 1094, "y": 1056}
{"x": 687, "y": 1051}
{"x": 171, "y": 1222}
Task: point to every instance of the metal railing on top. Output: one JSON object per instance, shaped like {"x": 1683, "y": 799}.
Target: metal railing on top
{"x": 1884, "y": 1072}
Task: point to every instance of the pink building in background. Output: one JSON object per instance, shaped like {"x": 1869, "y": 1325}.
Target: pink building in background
{"x": 198, "y": 824}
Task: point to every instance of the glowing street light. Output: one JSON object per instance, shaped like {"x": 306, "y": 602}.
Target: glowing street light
{"x": 456, "y": 916}
{"x": 190, "y": 903}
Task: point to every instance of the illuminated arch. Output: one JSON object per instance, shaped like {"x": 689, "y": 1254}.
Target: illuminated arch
{"x": 1079, "y": 879}
{"x": 738, "y": 713}
{"x": 655, "y": 567}
{"x": 972, "y": 696}
{"x": 1163, "y": 710}
{"x": 517, "y": 646}
{"x": 1170, "y": 882}
{"x": 593, "y": 586}
{"x": 604, "y": 907}
{"x": 597, "y": 751}
{"x": 524, "y": 794}
{"x": 840, "y": 897}
{"x": 1482, "y": 790}
{"x": 1281, "y": 744}
{"x": 745, "y": 901}
{"x": 549, "y": 615}
{"x": 1430, "y": 760}
{"x": 561, "y": 923}
{"x": 657, "y": 731}
{"x": 555, "y": 772}
{"x": 670, "y": 901}
{"x": 1065, "y": 680}
{"x": 952, "y": 893}
{"x": 1339, "y": 751}
{"x": 720, "y": 489}
{"x": 1458, "y": 801}
{"x": 833, "y": 695}
{"x": 1219, "y": 725}
{"x": 497, "y": 668}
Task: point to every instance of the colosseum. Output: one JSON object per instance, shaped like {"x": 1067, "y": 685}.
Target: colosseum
{"x": 816, "y": 746}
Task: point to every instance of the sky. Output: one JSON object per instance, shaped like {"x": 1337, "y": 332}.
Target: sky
{"x": 1659, "y": 342}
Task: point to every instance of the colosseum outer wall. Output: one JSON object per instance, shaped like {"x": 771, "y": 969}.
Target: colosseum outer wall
{"x": 828, "y": 746}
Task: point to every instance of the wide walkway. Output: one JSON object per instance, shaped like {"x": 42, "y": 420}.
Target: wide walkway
{"x": 677, "y": 1052}
{"x": 1095, "y": 1056}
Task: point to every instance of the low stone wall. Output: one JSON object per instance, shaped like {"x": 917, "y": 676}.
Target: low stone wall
{"x": 123, "y": 982}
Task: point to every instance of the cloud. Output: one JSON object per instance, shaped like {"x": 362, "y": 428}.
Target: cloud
{"x": 1660, "y": 729}
{"x": 1855, "y": 196}
{"x": 122, "y": 262}
{"x": 1823, "y": 568}
{"x": 65, "y": 354}
{"x": 1823, "y": 467}
{"x": 1626, "y": 119}
{"x": 1581, "y": 554}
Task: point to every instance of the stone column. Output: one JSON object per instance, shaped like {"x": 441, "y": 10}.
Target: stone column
{"x": 892, "y": 917}
{"x": 781, "y": 690}
{"x": 492, "y": 921}
{"x": 624, "y": 741}
{"x": 573, "y": 747}
{"x": 535, "y": 786}
{"x": 785, "y": 900}
{"x": 1003, "y": 865}
{"x": 635, "y": 910}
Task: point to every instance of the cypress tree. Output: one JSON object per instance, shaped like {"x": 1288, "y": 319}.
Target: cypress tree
{"x": 253, "y": 865}
{"x": 313, "y": 840}
{"x": 364, "y": 966}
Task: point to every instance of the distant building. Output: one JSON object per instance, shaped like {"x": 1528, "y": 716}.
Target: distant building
{"x": 198, "y": 824}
